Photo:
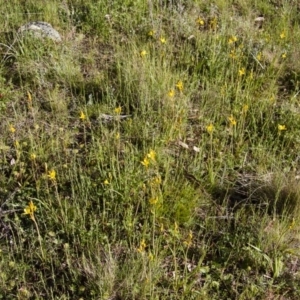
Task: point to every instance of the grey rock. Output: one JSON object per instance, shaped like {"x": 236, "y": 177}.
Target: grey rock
{"x": 41, "y": 29}
{"x": 109, "y": 118}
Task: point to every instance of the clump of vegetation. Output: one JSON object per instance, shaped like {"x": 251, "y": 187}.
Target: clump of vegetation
{"x": 153, "y": 153}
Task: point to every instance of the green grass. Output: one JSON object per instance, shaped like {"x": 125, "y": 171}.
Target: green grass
{"x": 195, "y": 195}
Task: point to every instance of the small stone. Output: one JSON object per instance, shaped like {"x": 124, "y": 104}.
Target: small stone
{"x": 259, "y": 22}
{"x": 41, "y": 30}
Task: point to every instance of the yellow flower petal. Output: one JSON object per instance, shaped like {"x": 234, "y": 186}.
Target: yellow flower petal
{"x": 143, "y": 53}
{"x": 232, "y": 120}
{"x": 145, "y": 162}
{"x": 242, "y": 71}
{"x": 232, "y": 39}
{"x": 118, "y": 110}
{"x": 151, "y": 155}
{"x": 179, "y": 85}
{"x": 12, "y": 129}
{"x": 52, "y": 175}
{"x": 281, "y": 127}
{"x": 82, "y": 116}
{"x": 30, "y": 209}
{"x": 162, "y": 40}
{"x": 210, "y": 128}
{"x": 171, "y": 93}
{"x": 200, "y": 21}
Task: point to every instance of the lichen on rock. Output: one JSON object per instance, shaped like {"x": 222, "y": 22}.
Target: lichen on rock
{"x": 41, "y": 29}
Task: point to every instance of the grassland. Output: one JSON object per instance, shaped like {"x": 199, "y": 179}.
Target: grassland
{"x": 194, "y": 195}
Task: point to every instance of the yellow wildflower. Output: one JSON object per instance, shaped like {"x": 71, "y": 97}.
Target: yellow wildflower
{"x": 175, "y": 231}
{"x": 259, "y": 56}
{"x": 151, "y": 32}
{"x": 282, "y": 35}
{"x": 118, "y": 110}
{"x": 32, "y": 156}
{"x": 106, "y": 182}
{"x": 151, "y": 155}
{"x": 189, "y": 239}
{"x": 283, "y": 55}
{"x": 161, "y": 227}
{"x": 171, "y": 93}
{"x": 213, "y": 23}
{"x": 52, "y": 175}
{"x": 242, "y": 71}
{"x": 162, "y": 40}
{"x": 293, "y": 223}
{"x": 142, "y": 246}
{"x": 272, "y": 99}
{"x": 143, "y": 53}
{"x": 176, "y": 228}
{"x": 200, "y": 21}
{"x": 232, "y": 40}
{"x": 30, "y": 209}
{"x": 145, "y": 162}
{"x": 12, "y": 129}
{"x": 155, "y": 181}
{"x": 245, "y": 108}
{"x": 232, "y": 54}
{"x": 281, "y": 127}
{"x": 153, "y": 201}
{"x": 232, "y": 120}
{"x": 210, "y": 128}
{"x": 150, "y": 256}
{"x": 82, "y": 116}
{"x": 251, "y": 75}
{"x": 179, "y": 85}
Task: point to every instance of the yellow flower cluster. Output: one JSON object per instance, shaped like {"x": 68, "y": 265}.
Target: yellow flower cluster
{"x": 242, "y": 71}
{"x": 12, "y": 129}
{"x": 29, "y": 210}
{"x": 153, "y": 201}
{"x": 150, "y": 157}
{"x": 179, "y": 86}
{"x": 189, "y": 240}
{"x": 232, "y": 39}
{"x": 259, "y": 56}
{"x": 52, "y": 175}
{"x": 82, "y": 116}
{"x": 232, "y": 121}
{"x": 118, "y": 110}
{"x": 156, "y": 181}
{"x": 281, "y": 127}
{"x": 210, "y": 128}
{"x": 142, "y": 246}
{"x": 282, "y": 35}
{"x": 143, "y": 53}
{"x": 171, "y": 93}
{"x": 245, "y": 108}
{"x": 163, "y": 40}
{"x": 200, "y": 21}
{"x": 232, "y": 54}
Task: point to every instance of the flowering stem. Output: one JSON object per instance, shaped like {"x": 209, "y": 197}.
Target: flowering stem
{"x": 211, "y": 167}
{"x": 39, "y": 235}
